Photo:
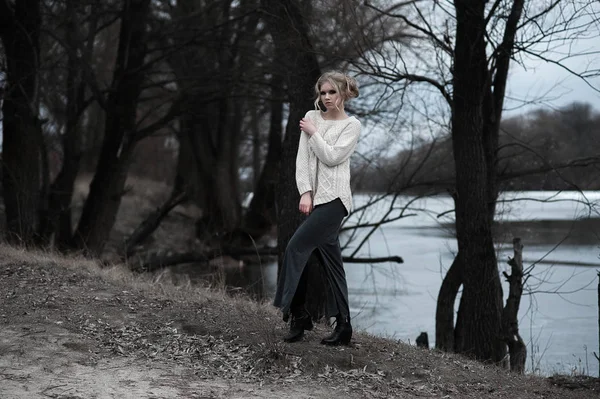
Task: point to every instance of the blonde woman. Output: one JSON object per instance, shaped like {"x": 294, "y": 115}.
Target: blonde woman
{"x": 327, "y": 140}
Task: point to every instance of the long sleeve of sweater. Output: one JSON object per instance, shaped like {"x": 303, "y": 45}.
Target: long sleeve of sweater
{"x": 343, "y": 148}
{"x": 302, "y": 165}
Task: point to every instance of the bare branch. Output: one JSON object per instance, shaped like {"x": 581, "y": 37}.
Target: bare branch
{"x": 89, "y": 74}
{"x": 534, "y": 18}
{"x": 547, "y": 167}
{"x": 174, "y": 112}
{"x": 154, "y": 262}
{"x": 377, "y": 224}
{"x": 152, "y": 222}
{"x": 407, "y": 21}
{"x": 561, "y": 65}
{"x": 503, "y": 58}
{"x": 399, "y": 77}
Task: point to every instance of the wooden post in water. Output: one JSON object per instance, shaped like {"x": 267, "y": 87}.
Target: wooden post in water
{"x": 516, "y": 346}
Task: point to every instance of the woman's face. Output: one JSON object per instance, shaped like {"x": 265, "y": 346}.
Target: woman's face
{"x": 329, "y": 96}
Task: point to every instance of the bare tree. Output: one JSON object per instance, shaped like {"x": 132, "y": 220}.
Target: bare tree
{"x": 471, "y": 46}
{"x": 56, "y": 214}
{"x": 106, "y": 189}
{"x": 262, "y": 213}
{"x": 22, "y": 145}
{"x": 215, "y": 74}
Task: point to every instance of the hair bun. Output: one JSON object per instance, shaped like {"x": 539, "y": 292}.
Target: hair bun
{"x": 351, "y": 87}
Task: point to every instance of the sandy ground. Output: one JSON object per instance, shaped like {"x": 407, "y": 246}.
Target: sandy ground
{"x": 49, "y": 361}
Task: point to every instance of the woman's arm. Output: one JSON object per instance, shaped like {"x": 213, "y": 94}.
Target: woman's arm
{"x": 302, "y": 166}
{"x": 332, "y": 155}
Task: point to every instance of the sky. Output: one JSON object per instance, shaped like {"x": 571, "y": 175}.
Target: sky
{"x": 577, "y": 46}
{"x": 548, "y": 85}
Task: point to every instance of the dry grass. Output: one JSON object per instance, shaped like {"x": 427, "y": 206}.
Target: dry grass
{"x": 118, "y": 274}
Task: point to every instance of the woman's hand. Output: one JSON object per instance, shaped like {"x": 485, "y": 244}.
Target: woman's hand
{"x": 308, "y": 126}
{"x": 306, "y": 203}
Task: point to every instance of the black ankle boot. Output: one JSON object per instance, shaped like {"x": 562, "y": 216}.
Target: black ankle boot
{"x": 342, "y": 333}
{"x": 301, "y": 321}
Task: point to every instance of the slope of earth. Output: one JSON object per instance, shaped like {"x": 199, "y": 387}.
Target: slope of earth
{"x": 70, "y": 329}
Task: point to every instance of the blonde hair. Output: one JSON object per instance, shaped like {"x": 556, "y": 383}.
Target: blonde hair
{"x": 344, "y": 84}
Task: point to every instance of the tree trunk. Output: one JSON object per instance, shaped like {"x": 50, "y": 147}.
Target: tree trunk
{"x": 58, "y": 221}
{"x": 444, "y": 315}
{"x": 100, "y": 209}
{"x": 256, "y": 162}
{"x": 22, "y": 134}
{"x": 209, "y": 142}
{"x": 288, "y": 28}
{"x": 477, "y": 101}
{"x": 261, "y": 214}
{"x": 481, "y": 302}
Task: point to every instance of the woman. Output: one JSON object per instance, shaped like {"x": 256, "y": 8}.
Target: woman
{"x": 327, "y": 141}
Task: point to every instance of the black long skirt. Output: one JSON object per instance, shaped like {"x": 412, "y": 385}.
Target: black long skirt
{"x": 320, "y": 232}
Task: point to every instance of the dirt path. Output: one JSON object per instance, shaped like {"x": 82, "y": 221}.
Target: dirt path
{"x": 69, "y": 330}
{"x": 48, "y": 361}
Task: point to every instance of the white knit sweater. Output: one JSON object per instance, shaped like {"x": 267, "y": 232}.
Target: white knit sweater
{"x": 323, "y": 160}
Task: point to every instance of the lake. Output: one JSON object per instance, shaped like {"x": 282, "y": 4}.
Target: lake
{"x": 559, "y": 317}
{"x": 559, "y": 311}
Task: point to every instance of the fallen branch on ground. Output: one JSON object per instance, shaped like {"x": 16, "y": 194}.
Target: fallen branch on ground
{"x": 151, "y": 223}
{"x": 157, "y": 261}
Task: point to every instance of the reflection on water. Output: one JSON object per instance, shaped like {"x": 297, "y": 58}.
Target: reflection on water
{"x": 558, "y": 315}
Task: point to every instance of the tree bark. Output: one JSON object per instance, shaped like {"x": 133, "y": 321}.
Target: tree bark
{"x": 256, "y": 158}
{"x": 510, "y": 322}
{"x": 477, "y": 101}
{"x": 22, "y": 134}
{"x": 481, "y": 302}
{"x": 444, "y": 313}
{"x": 100, "y": 208}
{"x": 261, "y": 214}
{"x": 288, "y": 28}
{"x": 209, "y": 142}
{"x": 58, "y": 221}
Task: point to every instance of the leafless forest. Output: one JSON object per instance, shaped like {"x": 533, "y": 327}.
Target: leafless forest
{"x": 205, "y": 95}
